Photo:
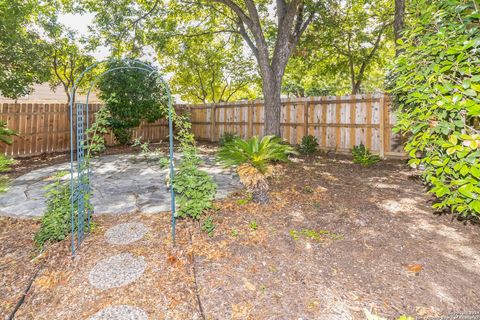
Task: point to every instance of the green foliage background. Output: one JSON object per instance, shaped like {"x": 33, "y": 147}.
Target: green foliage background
{"x": 436, "y": 81}
{"x": 131, "y": 96}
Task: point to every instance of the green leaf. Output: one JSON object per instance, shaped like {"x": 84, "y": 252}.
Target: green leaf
{"x": 475, "y": 171}
{"x": 475, "y": 205}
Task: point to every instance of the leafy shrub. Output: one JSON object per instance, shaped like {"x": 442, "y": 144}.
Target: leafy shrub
{"x": 5, "y": 133}
{"x": 436, "y": 83}
{"x": 96, "y": 133}
{"x": 195, "y": 188}
{"x": 258, "y": 153}
{"x": 131, "y": 96}
{"x": 56, "y": 221}
{"x": 308, "y": 145}
{"x": 227, "y": 137}
{"x": 363, "y": 156}
{"x": 5, "y": 163}
{"x": 163, "y": 162}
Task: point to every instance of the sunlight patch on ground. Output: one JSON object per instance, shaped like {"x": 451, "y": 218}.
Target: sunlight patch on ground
{"x": 401, "y": 205}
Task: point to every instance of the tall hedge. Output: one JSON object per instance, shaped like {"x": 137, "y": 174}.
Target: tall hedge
{"x": 436, "y": 82}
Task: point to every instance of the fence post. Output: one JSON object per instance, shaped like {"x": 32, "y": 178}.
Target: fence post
{"x": 212, "y": 122}
{"x": 250, "y": 119}
{"x": 306, "y": 106}
{"x": 382, "y": 120}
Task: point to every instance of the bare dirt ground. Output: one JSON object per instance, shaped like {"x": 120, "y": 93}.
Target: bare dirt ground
{"x": 335, "y": 239}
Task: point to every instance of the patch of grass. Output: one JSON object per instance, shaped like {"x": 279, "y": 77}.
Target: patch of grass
{"x": 316, "y": 235}
{"x": 234, "y": 232}
{"x": 253, "y": 225}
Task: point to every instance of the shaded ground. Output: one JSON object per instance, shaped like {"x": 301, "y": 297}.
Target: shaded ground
{"x": 336, "y": 238}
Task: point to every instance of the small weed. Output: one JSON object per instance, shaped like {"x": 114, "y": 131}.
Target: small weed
{"x": 263, "y": 288}
{"x": 317, "y": 235}
{"x": 273, "y": 269}
{"x": 248, "y": 198}
{"x": 209, "y": 226}
{"x": 253, "y": 225}
{"x": 137, "y": 142}
{"x": 317, "y": 205}
{"x": 234, "y": 232}
{"x": 308, "y": 189}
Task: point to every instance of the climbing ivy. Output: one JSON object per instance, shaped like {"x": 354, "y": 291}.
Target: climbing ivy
{"x": 436, "y": 83}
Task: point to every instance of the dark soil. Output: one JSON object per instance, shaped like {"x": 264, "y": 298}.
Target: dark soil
{"x": 336, "y": 239}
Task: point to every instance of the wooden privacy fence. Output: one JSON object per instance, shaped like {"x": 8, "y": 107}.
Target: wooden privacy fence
{"x": 339, "y": 123}
{"x": 45, "y": 128}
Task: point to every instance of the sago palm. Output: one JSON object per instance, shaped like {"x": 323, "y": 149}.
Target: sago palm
{"x": 254, "y": 158}
{"x": 258, "y": 153}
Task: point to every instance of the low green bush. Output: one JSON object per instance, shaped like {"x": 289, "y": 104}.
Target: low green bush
{"x": 5, "y": 133}
{"x": 308, "y": 145}
{"x": 227, "y": 137}
{"x": 363, "y": 156}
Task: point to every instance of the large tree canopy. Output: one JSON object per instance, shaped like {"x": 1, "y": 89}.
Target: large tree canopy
{"x": 67, "y": 59}
{"x": 219, "y": 72}
{"x": 23, "y": 54}
{"x": 345, "y": 52}
{"x": 271, "y": 30}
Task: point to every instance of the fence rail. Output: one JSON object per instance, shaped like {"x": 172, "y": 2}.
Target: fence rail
{"x": 339, "y": 123}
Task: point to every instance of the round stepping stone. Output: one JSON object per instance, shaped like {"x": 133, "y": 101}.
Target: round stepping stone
{"x": 116, "y": 271}
{"x": 126, "y": 233}
{"x": 122, "y": 312}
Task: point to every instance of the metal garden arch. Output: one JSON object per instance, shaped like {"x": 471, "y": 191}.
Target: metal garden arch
{"x": 80, "y": 206}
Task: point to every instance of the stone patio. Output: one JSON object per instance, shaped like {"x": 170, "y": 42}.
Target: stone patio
{"x": 121, "y": 184}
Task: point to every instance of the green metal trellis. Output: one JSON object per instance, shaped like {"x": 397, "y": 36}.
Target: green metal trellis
{"x": 81, "y": 208}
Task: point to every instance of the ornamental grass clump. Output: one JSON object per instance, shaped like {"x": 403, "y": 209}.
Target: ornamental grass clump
{"x": 254, "y": 158}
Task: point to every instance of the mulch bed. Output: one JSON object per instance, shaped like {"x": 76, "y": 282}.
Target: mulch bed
{"x": 335, "y": 239}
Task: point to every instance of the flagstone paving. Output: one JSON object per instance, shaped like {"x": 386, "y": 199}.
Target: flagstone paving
{"x": 121, "y": 184}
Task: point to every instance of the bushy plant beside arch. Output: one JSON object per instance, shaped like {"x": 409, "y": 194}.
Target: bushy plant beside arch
{"x": 436, "y": 82}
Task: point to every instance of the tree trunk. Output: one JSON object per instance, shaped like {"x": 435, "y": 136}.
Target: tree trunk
{"x": 399, "y": 22}
{"x": 272, "y": 90}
